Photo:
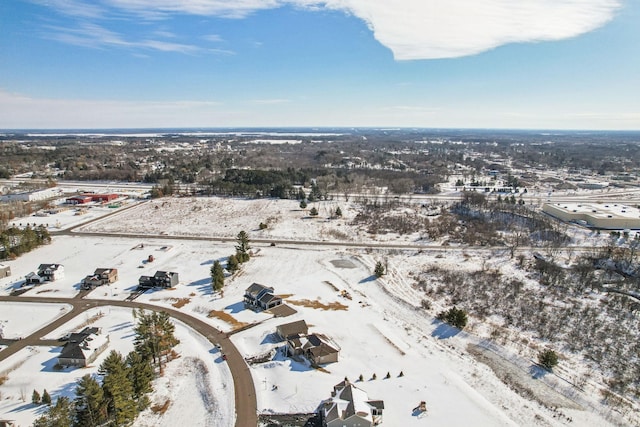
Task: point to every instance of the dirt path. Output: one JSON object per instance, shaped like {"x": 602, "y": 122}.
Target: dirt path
{"x": 245, "y": 394}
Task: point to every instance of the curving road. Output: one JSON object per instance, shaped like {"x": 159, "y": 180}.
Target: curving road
{"x": 245, "y": 394}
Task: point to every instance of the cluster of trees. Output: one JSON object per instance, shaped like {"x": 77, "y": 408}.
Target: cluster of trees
{"x": 234, "y": 261}
{"x": 119, "y": 392}
{"x": 16, "y": 241}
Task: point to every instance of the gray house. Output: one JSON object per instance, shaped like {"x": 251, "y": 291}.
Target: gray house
{"x": 83, "y": 347}
{"x": 288, "y": 330}
{"x": 317, "y": 348}
{"x": 259, "y": 297}
{"x": 162, "y": 279}
{"x": 349, "y": 406}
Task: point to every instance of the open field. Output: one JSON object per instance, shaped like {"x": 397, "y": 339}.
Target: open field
{"x": 381, "y": 329}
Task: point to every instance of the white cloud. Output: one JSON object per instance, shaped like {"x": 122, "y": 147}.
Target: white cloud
{"x": 424, "y": 29}
{"x": 429, "y": 29}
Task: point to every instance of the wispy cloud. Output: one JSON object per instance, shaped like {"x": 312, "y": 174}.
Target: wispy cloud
{"x": 96, "y": 36}
{"x": 19, "y": 111}
{"x": 269, "y": 101}
{"x": 76, "y": 8}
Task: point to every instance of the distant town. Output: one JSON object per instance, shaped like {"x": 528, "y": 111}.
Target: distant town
{"x": 319, "y": 277}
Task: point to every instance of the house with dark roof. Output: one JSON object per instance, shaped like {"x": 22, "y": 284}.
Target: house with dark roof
{"x": 259, "y": 297}
{"x": 102, "y": 276}
{"x": 162, "y": 279}
{"x": 316, "y": 348}
{"x": 287, "y": 330}
{"x": 46, "y": 273}
{"x": 350, "y": 406}
{"x": 83, "y": 347}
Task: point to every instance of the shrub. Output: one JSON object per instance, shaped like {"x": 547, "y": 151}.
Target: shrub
{"x": 548, "y": 359}
{"x": 454, "y": 316}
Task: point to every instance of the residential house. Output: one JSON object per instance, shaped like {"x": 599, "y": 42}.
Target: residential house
{"x": 350, "y": 406}
{"x": 102, "y": 276}
{"x": 162, "y": 279}
{"x": 317, "y": 348}
{"x": 287, "y": 330}
{"x": 46, "y": 273}
{"x": 259, "y": 297}
{"x": 51, "y": 272}
{"x": 83, "y": 347}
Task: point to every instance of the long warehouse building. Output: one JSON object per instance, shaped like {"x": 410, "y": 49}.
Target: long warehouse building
{"x": 610, "y": 216}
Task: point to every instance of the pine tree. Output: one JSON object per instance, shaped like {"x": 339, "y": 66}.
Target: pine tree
{"x": 35, "y": 397}
{"x": 313, "y": 211}
{"x": 90, "y": 404}
{"x": 243, "y": 247}
{"x": 338, "y": 212}
{"x": 232, "y": 264}
{"x": 59, "y": 415}
{"x": 454, "y": 316}
{"x": 154, "y": 336}
{"x": 141, "y": 375}
{"x": 303, "y": 205}
{"x": 118, "y": 390}
{"x": 46, "y": 398}
{"x": 217, "y": 276}
{"x": 548, "y": 359}
{"x": 379, "y": 269}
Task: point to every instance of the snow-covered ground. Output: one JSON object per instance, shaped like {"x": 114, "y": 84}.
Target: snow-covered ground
{"x": 381, "y": 330}
{"x": 20, "y": 319}
{"x": 195, "y": 382}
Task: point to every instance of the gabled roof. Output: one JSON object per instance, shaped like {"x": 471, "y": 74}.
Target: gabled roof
{"x": 255, "y": 289}
{"x": 266, "y": 298}
{"x": 348, "y": 400}
{"x": 298, "y": 327}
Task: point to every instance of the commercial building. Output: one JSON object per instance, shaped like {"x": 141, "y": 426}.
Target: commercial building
{"x": 609, "y": 216}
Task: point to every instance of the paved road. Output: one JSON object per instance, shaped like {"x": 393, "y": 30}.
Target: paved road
{"x": 245, "y": 394}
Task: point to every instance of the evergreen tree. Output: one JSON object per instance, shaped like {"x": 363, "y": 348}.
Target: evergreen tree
{"x": 141, "y": 375}
{"x": 303, "y": 205}
{"x": 548, "y": 359}
{"x": 46, "y": 399}
{"x": 232, "y": 264}
{"x": 313, "y": 211}
{"x": 243, "y": 247}
{"x": 338, "y": 212}
{"x": 154, "y": 336}
{"x": 217, "y": 276}
{"x": 90, "y": 404}
{"x": 454, "y": 316}
{"x": 35, "y": 397}
{"x": 59, "y": 415}
{"x": 379, "y": 269}
{"x": 118, "y": 390}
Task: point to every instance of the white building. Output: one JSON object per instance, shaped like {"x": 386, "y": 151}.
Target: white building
{"x": 610, "y": 216}
{"x": 31, "y": 196}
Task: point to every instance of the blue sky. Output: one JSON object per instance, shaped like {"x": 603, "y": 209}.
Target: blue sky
{"x": 535, "y": 64}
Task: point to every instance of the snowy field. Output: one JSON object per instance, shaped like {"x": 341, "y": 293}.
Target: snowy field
{"x": 381, "y": 330}
{"x": 20, "y": 319}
